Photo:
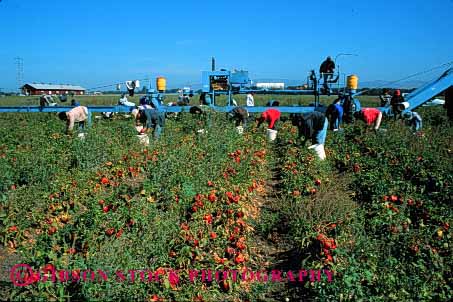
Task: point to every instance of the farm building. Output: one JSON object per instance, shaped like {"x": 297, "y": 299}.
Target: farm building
{"x": 37, "y": 89}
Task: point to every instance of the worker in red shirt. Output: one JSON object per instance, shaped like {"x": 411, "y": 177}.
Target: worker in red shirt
{"x": 271, "y": 116}
{"x": 370, "y": 116}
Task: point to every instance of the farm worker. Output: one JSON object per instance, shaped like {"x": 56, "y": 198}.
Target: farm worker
{"x": 239, "y": 115}
{"x": 74, "y": 103}
{"x": 123, "y": 101}
{"x": 195, "y": 110}
{"x": 314, "y": 80}
{"x": 271, "y": 116}
{"x": 131, "y": 85}
{"x": 449, "y": 103}
{"x": 204, "y": 118}
{"x": 385, "y": 98}
{"x": 78, "y": 114}
{"x": 326, "y": 70}
{"x": 370, "y": 116}
{"x": 204, "y": 99}
{"x": 273, "y": 103}
{"x": 108, "y": 115}
{"x": 46, "y": 100}
{"x": 413, "y": 119}
{"x": 334, "y": 114}
{"x": 144, "y": 100}
{"x": 183, "y": 100}
{"x": 250, "y": 100}
{"x": 396, "y": 101}
{"x": 150, "y": 119}
{"x": 350, "y": 107}
{"x": 63, "y": 97}
{"x": 144, "y": 103}
{"x": 312, "y": 126}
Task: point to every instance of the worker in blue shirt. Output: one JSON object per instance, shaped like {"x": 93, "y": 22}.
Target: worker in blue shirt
{"x": 334, "y": 114}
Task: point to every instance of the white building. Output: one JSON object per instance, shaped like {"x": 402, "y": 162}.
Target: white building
{"x": 270, "y": 85}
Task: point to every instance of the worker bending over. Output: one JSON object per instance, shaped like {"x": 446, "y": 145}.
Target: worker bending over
{"x": 371, "y": 116}
{"x": 334, "y": 113}
{"x": 271, "y": 116}
{"x": 239, "y": 115}
{"x": 76, "y": 115}
{"x": 46, "y": 100}
{"x": 312, "y": 126}
{"x": 151, "y": 120}
{"x": 414, "y": 120}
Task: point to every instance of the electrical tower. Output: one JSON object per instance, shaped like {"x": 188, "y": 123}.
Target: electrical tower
{"x": 19, "y": 71}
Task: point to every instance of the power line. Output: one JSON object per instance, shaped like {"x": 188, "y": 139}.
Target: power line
{"x": 19, "y": 71}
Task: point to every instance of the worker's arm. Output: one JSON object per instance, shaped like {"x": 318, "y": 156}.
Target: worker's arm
{"x": 70, "y": 123}
{"x": 272, "y": 123}
{"x": 258, "y": 123}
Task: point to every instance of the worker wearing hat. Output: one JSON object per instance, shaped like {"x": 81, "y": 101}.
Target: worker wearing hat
{"x": 413, "y": 119}
{"x": 78, "y": 114}
{"x": 151, "y": 120}
{"x": 396, "y": 102}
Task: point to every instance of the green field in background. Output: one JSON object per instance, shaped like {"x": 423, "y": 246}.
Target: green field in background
{"x": 260, "y": 100}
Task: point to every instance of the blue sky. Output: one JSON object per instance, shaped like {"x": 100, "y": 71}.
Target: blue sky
{"x": 92, "y": 43}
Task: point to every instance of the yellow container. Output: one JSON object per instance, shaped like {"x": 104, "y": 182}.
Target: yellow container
{"x": 161, "y": 83}
{"x": 352, "y": 82}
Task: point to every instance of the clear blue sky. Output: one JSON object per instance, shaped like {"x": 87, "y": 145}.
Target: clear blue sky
{"x": 91, "y": 43}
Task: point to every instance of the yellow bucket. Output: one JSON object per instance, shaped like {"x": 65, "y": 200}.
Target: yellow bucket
{"x": 352, "y": 82}
{"x": 161, "y": 83}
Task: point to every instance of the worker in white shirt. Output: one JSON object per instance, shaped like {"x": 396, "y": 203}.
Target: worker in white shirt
{"x": 125, "y": 102}
{"x": 46, "y": 100}
{"x": 250, "y": 100}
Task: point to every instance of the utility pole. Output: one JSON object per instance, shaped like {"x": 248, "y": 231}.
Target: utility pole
{"x": 19, "y": 72}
